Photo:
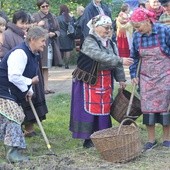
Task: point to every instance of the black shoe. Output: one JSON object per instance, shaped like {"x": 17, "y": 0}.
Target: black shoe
{"x": 88, "y": 143}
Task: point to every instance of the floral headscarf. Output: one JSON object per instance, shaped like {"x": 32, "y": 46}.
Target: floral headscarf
{"x": 99, "y": 20}
{"x": 141, "y": 14}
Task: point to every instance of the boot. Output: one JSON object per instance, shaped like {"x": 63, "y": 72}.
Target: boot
{"x": 88, "y": 143}
{"x": 13, "y": 155}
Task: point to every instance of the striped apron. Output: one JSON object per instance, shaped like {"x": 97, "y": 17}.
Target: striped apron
{"x": 97, "y": 98}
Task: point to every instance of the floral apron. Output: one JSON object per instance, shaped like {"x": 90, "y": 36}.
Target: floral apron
{"x": 97, "y": 98}
{"x": 154, "y": 79}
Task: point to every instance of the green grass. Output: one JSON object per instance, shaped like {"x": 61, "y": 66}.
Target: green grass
{"x": 56, "y": 127}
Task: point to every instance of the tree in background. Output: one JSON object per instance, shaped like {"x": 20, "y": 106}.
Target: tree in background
{"x": 10, "y": 6}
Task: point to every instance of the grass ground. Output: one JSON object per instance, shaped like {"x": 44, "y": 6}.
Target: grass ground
{"x": 71, "y": 155}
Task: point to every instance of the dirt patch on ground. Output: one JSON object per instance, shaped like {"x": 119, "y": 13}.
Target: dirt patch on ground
{"x": 81, "y": 159}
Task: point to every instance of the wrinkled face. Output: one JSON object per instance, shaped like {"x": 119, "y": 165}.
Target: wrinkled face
{"x": 142, "y": 27}
{"x": 22, "y": 25}
{"x": 155, "y": 4}
{"x": 44, "y": 8}
{"x": 104, "y": 31}
{"x": 37, "y": 45}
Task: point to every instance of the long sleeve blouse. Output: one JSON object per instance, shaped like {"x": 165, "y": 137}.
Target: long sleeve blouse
{"x": 15, "y": 74}
{"x": 108, "y": 60}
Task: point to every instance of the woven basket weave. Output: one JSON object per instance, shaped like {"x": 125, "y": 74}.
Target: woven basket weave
{"x": 118, "y": 144}
{"x": 120, "y": 105}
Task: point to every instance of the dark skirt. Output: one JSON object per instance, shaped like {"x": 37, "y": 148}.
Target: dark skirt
{"x": 38, "y": 102}
{"x": 83, "y": 124}
{"x": 152, "y": 118}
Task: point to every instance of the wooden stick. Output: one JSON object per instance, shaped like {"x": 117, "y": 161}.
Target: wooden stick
{"x": 133, "y": 91}
{"x": 40, "y": 125}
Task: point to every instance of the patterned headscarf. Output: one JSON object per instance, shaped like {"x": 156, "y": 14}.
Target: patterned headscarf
{"x": 141, "y": 14}
{"x": 99, "y": 20}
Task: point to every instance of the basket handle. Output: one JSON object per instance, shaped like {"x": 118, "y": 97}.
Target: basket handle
{"x": 123, "y": 121}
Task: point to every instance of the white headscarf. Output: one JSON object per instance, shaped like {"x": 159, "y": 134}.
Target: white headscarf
{"x": 97, "y": 21}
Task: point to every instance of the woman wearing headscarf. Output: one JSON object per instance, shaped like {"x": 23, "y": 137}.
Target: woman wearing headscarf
{"x": 51, "y": 55}
{"x": 90, "y": 103}
{"x": 151, "y": 45}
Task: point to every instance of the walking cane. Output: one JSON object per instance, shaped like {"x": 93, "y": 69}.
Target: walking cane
{"x": 40, "y": 126}
{"x": 132, "y": 94}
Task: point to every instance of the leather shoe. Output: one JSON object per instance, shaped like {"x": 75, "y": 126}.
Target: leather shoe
{"x": 88, "y": 143}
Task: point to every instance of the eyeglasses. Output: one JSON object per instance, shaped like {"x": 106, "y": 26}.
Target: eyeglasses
{"x": 44, "y": 6}
{"x": 107, "y": 28}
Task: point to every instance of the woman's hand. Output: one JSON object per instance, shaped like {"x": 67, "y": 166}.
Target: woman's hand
{"x": 29, "y": 95}
{"x": 127, "y": 61}
{"x": 35, "y": 80}
{"x": 135, "y": 80}
{"x": 122, "y": 84}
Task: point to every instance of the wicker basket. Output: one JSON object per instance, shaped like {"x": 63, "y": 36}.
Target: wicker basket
{"x": 120, "y": 105}
{"x": 118, "y": 144}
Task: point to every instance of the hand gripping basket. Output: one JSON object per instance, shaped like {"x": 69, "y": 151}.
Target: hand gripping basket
{"x": 118, "y": 144}
{"x": 119, "y": 107}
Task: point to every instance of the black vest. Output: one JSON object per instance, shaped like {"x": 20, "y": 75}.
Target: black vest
{"x": 87, "y": 68}
{"x": 9, "y": 90}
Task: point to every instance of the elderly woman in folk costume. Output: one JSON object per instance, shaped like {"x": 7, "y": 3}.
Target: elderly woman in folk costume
{"x": 151, "y": 45}
{"x": 18, "y": 73}
{"x": 165, "y": 17}
{"x": 90, "y": 104}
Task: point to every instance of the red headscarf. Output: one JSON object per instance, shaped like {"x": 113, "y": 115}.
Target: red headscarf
{"x": 141, "y": 14}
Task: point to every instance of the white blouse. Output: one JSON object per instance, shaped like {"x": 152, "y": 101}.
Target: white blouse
{"x": 16, "y": 65}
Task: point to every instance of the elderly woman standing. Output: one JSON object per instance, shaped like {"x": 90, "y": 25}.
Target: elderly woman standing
{"x": 151, "y": 44}
{"x": 18, "y": 73}
{"x": 13, "y": 36}
{"x": 90, "y": 104}
{"x": 52, "y": 53}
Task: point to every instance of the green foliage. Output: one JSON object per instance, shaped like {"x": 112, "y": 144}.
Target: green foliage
{"x": 10, "y": 6}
